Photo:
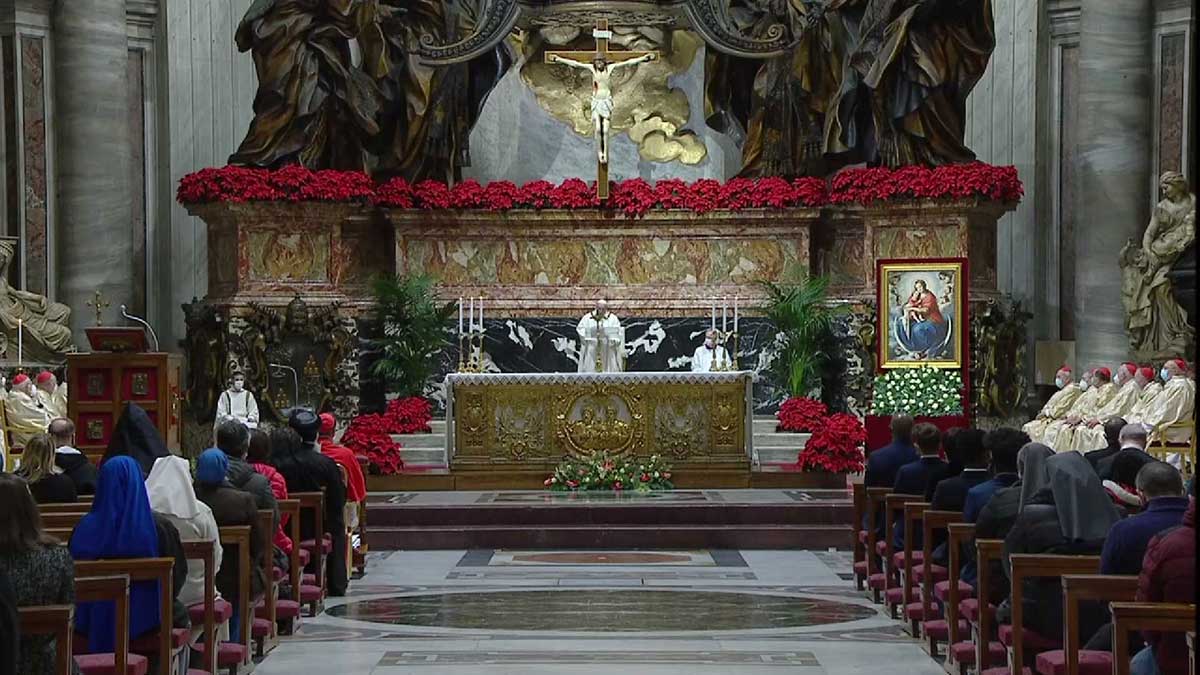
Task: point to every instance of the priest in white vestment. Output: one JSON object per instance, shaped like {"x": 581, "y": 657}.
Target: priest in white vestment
{"x": 601, "y": 341}
{"x": 54, "y": 395}
{"x": 1090, "y": 435}
{"x": 710, "y": 356}
{"x": 1174, "y": 405}
{"x": 238, "y": 404}
{"x": 1057, "y": 407}
{"x": 1060, "y": 435}
{"x": 25, "y": 411}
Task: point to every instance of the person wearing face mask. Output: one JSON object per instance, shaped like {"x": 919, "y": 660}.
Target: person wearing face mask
{"x": 1100, "y": 389}
{"x": 25, "y": 410}
{"x": 1151, "y": 387}
{"x": 709, "y": 356}
{"x": 1174, "y": 405}
{"x": 1090, "y": 434}
{"x": 236, "y": 403}
{"x": 1058, "y": 405}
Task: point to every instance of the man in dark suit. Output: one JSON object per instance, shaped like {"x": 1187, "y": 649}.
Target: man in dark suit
{"x": 882, "y": 464}
{"x": 1112, "y": 436}
{"x": 951, "y": 493}
{"x": 912, "y": 477}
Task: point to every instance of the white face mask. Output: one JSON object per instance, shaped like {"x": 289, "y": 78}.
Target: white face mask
{"x": 239, "y": 384}
{"x": 710, "y": 343}
{"x": 1083, "y": 385}
{"x": 1060, "y": 382}
{"x": 1165, "y": 374}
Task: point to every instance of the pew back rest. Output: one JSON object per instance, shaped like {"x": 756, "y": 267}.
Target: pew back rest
{"x": 205, "y": 551}
{"x": 53, "y": 620}
{"x": 1155, "y": 616}
{"x": 113, "y": 589}
{"x": 1028, "y": 566}
{"x": 240, "y": 537}
{"x": 142, "y": 569}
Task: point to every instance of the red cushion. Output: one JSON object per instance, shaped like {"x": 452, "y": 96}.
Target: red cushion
{"x": 939, "y": 573}
{"x": 287, "y": 609}
{"x": 304, "y": 557}
{"x": 964, "y": 652}
{"x": 894, "y": 596}
{"x": 969, "y": 609}
{"x": 898, "y": 558}
{"x": 1005, "y": 670}
{"x": 860, "y": 568}
{"x": 310, "y": 593}
{"x": 278, "y": 574}
{"x": 308, "y": 580}
{"x": 862, "y": 536}
{"x": 877, "y": 581}
{"x": 148, "y": 644}
{"x": 228, "y": 653}
{"x": 880, "y": 547}
{"x": 326, "y": 544}
{"x": 261, "y": 628}
{"x": 1090, "y": 662}
{"x": 941, "y": 590}
{"x": 106, "y": 664}
{"x": 222, "y": 610}
{"x": 1032, "y": 640}
{"x": 939, "y": 629}
{"x": 916, "y": 611}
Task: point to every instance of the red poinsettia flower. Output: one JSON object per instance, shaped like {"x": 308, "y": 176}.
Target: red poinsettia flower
{"x": 836, "y": 445}
{"x": 801, "y": 415}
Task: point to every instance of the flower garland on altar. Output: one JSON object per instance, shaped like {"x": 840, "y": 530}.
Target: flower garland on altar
{"x": 601, "y": 472}
{"x": 370, "y": 435}
{"x": 634, "y": 197}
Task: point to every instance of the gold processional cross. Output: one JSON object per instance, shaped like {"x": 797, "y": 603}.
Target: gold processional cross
{"x": 602, "y": 35}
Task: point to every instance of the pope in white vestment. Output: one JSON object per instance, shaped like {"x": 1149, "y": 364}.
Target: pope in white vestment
{"x": 238, "y": 404}
{"x": 710, "y": 356}
{"x": 601, "y": 341}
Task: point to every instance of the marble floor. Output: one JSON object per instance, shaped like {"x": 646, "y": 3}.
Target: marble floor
{"x": 585, "y": 612}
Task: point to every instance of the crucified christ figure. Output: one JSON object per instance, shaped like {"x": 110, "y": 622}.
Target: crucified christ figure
{"x": 602, "y": 99}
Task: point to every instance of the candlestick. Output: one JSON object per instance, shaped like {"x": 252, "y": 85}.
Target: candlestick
{"x": 735, "y": 315}
{"x": 471, "y": 314}
{"x": 724, "y": 314}
{"x": 714, "y": 314}
{"x": 481, "y": 314}
{"x": 20, "y": 341}
{"x": 460, "y": 316}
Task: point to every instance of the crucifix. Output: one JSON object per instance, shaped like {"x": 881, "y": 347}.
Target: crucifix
{"x": 601, "y": 64}
{"x": 99, "y": 305}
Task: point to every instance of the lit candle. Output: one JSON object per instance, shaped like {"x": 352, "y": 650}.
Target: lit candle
{"x": 735, "y": 314}
{"x": 724, "y": 313}
{"x": 20, "y": 341}
{"x": 460, "y": 317}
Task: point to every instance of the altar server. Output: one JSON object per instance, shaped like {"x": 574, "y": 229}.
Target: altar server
{"x": 709, "y": 356}
{"x": 601, "y": 341}
{"x": 236, "y": 403}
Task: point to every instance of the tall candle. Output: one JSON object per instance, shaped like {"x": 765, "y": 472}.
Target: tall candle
{"x": 460, "y": 317}
{"x": 714, "y": 314}
{"x": 20, "y": 341}
{"x": 735, "y": 314}
{"x": 481, "y": 314}
{"x": 471, "y": 313}
{"x": 724, "y": 313}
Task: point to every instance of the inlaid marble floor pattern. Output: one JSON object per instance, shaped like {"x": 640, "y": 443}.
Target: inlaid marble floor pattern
{"x": 590, "y": 612}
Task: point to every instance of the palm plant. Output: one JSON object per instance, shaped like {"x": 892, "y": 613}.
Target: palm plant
{"x": 805, "y": 325}
{"x": 414, "y": 330}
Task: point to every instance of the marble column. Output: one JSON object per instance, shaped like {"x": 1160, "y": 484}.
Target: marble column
{"x": 1115, "y": 123}
{"x": 94, "y": 237}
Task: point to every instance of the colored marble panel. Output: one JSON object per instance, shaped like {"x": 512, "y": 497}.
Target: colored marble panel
{"x": 33, "y": 123}
{"x": 1068, "y": 186}
{"x": 11, "y": 133}
{"x": 606, "y": 611}
{"x": 918, "y": 242}
{"x": 137, "y": 176}
{"x": 1170, "y": 102}
{"x": 284, "y": 256}
{"x": 602, "y": 558}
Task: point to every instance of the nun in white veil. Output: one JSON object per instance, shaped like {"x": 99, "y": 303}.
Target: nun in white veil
{"x": 171, "y": 495}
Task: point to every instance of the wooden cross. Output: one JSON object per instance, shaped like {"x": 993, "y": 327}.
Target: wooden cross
{"x": 99, "y": 305}
{"x": 602, "y": 35}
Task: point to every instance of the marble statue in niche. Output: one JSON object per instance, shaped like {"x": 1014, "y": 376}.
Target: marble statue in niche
{"x": 44, "y": 325}
{"x": 1158, "y": 326}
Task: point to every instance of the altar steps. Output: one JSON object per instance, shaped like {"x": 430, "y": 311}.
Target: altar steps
{"x": 814, "y": 525}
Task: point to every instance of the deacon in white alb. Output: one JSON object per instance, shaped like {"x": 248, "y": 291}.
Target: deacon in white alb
{"x": 709, "y": 356}
{"x": 601, "y": 341}
{"x": 238, "y": 404}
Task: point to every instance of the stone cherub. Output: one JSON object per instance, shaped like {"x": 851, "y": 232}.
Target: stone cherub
{"x": 1158, "y": 326}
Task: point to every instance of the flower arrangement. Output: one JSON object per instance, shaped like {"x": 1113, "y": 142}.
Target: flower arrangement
{"x": 927, "y": 391}
{"x": 801, "y": 415}
{"x": 837, "y": 446}
{"x": 601, "y": 472}
{"x": 371, "y": 435}
{"x": 634, "y": 197}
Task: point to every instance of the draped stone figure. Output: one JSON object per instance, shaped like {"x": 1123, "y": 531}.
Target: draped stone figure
{"x": 1158, "y": 326}
{"x": 313, "y": 106}
{"x": 45, "y": 325}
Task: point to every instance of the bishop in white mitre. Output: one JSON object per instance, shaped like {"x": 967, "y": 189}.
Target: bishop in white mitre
{"x": 601, "y": 341}
{"x": 238, "y": 404}
{"x": 710, "y": 356}
{"x": 25, "y": 411}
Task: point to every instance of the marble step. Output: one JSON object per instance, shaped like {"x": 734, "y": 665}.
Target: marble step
{"x": 777, "y": 455}
{"x": 423, "y": 456}
{"x": 665, "y": 513}
{"x": 780, "y": 440}
{"x": 434, "y": 440}
{"x": 772, "y": 536}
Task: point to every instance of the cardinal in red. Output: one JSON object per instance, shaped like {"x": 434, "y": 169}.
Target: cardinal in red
{"x": 356, "y": 485}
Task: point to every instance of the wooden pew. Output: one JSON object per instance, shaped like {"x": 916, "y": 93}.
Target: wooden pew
{"x": 55, "y": 620}
{"x": 358, "y": 554}
{"x": 76, "y": 507}
{"x": 914, "y": 514}
{"x": 236, "y": 654}
{"x": 1029, "y": 566}
{"x": 959, "y": 653}
{"x": 986, "y": 550}
{"x": 314, "y": 594}
{"x": 858, "y": 498}
{"x": 63, "y": 519}
{"x": 264, "y": 631}
{"x": 1191, "y": 647}
{"x": 143, "y": 569}
{"x": 893, "y": 510}
{"x": 290, "y": 609}
{"x": 1157, "y": 616}
{"x": 934, "y": 628}
{"x": 206, "y": 552}
{"x": 114, "y": 589}
{"x": 349, "y": 546}
{"x": 876, "y": 577}
{"x": 1077, "y": 588}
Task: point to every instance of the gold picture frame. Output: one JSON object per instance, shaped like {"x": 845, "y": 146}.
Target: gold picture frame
{"x": 922, "y": 313}
{"x": 139, "y": 384}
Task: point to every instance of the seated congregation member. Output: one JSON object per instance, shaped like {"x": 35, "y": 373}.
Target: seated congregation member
{"x": 136, "y": 436}
{"x": 1089, "y": 435}
{"x": 1120, "y": 477}
{"x": 951, "y": 493}
{"x": 73, "y": 462}
{"x": 954, "y": 462}
{"x": 172, "y": 497}
{"x": 47, "y": 482}
{"x": 260, "y": 457}
{"x": 1071, "y": 515}
{"x": 1160, "y": 487}
{"x": 1112, "y": 443}
{"x": 307, "y": 470}
{"x": 233, "y": 438}
{"x": 121, "y": 525}
{"x": 356, "y": 483}
{"x": 1061, "y": 435}
{"x": 1176, "y": 403}
{"x": 10, "y": 645}
{"x": 997, "y": 517}
{"x": 912, "y": 478}
{"x": 1058, "y": 406}
{"x": 1003, "y": 445}
{"x": 38, "y": 569}
{"x": 231, "y": 507}
{"x": 883, "y": 463}
{"x": 1168, "y": 574}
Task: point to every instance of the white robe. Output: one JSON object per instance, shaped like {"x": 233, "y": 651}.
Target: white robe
{"x": 706, "y": 360}
{"x": 56, "y": 401}
{"x": 26, "y": 415}
{"x": 601, "y": 341}
{"x": 237, "y": 405}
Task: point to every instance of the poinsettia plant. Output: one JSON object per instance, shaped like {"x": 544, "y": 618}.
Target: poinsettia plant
{"x": 837, "y": 445}
{"x": 928, "y": 391}
{"x": 371, "y": 435}
{"x": 602, "y": 472}
{"x": 409, "y": 415}
{"x": 799, "y": 414}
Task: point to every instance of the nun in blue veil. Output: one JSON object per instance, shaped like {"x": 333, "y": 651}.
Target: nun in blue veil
{"x": 120, "y": 525}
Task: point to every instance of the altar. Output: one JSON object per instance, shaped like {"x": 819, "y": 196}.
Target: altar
{"x": 514, "y": 426}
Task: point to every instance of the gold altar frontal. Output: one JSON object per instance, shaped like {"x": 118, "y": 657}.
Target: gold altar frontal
{"x": 511, "y": 428}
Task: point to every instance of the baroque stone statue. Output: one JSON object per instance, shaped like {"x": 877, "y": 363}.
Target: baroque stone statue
{"x": 45, "y": 325}
{"x": 1158, "y": 326}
